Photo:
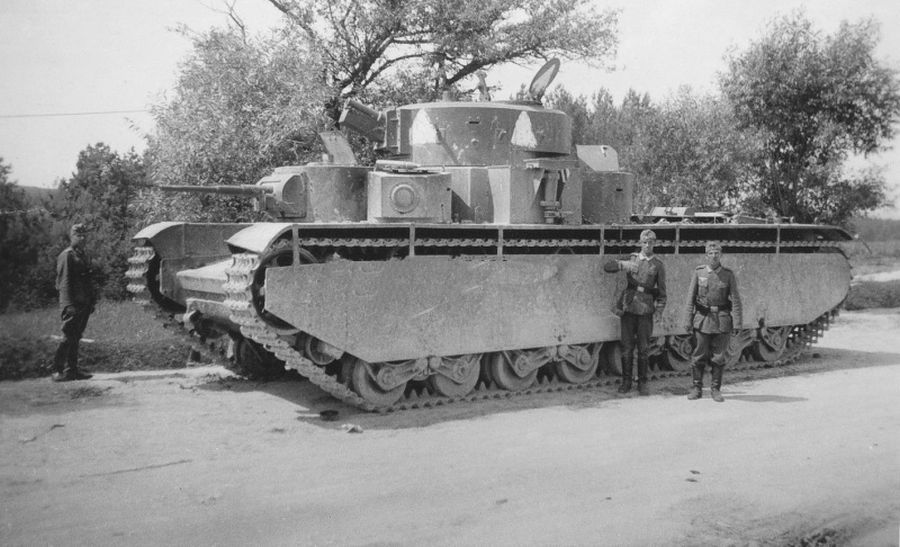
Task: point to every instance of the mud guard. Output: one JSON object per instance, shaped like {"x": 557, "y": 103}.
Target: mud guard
{"x": 257, "y": 238}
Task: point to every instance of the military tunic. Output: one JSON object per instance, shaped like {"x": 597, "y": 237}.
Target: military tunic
{"x": 646, "y": 288}
{"x": 714, "y": 303}
{"x": 73, "y": 279}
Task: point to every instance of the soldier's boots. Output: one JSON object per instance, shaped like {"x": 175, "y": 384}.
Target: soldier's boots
{"x": 716, "y": 374}
{"x": 696, "y": 393}
{"x": 643, "y": 390}
{"x": 71, "y": 376}
{"x": 627, "y": 372}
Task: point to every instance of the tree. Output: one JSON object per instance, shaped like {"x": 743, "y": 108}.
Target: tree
{"x": 685, "y": 151}
{"x": 815, "y": 99}
{"x": 690, "y": 153}
{"x": 25, "y": 279}
{"x": 442, "y": 41}
{"x": 240, "y": 107}
{"x": 102, "y": 194}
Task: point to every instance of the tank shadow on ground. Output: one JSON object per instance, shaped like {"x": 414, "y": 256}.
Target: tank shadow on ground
{"x": 310, "y": 400}
{"x": 763, "y": 398}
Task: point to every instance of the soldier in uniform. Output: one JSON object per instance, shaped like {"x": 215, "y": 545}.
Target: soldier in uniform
{"x": 713, "y": 310}
{"x": 76, "y": 302}
{"x": 644, "y": 295}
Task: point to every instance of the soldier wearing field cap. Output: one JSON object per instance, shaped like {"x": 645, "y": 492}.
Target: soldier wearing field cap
{"x": 713, "y": 310}
{"x": 644, "y": 295}
{"x": 76, "y": 302}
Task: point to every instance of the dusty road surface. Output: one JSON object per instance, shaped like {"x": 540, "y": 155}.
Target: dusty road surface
{"x": 806, "y": 452}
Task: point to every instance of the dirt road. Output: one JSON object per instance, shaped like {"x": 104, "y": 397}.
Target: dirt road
{"x": 195, "y": 458}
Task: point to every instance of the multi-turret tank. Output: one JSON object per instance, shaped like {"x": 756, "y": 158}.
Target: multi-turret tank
{"x": 467, "y": 262}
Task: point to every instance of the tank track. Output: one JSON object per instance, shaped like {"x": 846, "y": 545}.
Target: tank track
{"x": 239, "y": 301}
{"x": 139, "y": 265}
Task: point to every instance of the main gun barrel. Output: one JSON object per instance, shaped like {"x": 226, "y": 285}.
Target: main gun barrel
{"x": 230, "y": 190}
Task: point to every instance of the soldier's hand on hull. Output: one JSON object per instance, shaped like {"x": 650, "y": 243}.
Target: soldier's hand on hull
{"x": 611, "y": 266}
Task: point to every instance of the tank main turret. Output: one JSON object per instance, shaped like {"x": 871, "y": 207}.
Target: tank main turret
{"x": 510, "y": 162}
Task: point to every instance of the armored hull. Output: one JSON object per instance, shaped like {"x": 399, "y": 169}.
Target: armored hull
{"x": 469, "y": 264}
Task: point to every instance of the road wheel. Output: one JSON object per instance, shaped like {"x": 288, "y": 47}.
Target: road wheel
{"x": 505, "y": 375}
{"x": 465, "y": 371}
{"x": 367, "y": 387}
{"x": 585, "y": 369}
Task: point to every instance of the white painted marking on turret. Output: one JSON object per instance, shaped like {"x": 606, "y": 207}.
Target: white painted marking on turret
{"x": 422, "y": 130}
{"x": 523, "y": 135}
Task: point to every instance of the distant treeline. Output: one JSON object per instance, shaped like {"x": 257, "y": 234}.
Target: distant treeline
{"x": 876, "y": 229}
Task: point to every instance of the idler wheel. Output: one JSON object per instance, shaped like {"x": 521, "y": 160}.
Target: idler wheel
{"x": 463, "y": 373}
{"x": 368, "y": 388}
{"x": 506, "y": 376}
{"x": 585, "y": 369}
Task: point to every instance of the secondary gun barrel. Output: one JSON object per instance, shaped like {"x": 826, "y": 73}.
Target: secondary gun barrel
{"x": 363, "y": 120}
{"x": 231, "y": 190}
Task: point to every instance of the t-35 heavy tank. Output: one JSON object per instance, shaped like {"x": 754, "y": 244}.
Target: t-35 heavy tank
{"x": 468, "y": 263}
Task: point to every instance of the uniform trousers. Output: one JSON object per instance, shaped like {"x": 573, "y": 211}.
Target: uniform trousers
{"x": 74, "y": 321}
{"x": 711, "y": 349}
{"x": 636, "y": 328}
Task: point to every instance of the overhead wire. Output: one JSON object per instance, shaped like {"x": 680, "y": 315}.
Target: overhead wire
{"x": 61, "y": 114}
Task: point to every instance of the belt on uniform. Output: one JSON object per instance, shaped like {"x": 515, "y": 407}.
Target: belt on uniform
{"x": 712, "y": 309}
{"x": 639, "y": 288}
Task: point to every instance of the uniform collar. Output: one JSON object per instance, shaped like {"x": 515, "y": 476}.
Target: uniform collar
{"x": 642, "y": 256}
{"x": 717, "y": 268}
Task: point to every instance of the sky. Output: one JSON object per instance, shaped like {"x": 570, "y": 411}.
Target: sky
{"x": 74, "y": 74}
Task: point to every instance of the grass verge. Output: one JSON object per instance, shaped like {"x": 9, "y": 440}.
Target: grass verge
{"x": 122, "y": 337}
{"x": 873, "y": 294}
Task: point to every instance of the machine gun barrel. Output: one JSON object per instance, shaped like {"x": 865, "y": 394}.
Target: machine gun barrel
{"x": 230, "y": 190}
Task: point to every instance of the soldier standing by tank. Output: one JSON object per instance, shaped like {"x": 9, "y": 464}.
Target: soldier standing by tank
{"x": 713, "y": 310}
{"x": 77, "y": 299}
{"x": 644, "y": 295}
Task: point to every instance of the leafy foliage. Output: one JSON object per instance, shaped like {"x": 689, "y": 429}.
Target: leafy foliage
{"x": 815, "y": 99}
{"x": 240, "y": 108}
{"x": 442, "y": 41}
{"x": 684, "y": 151}
{"x": 102, "y": 194}
{"x": 24, "y": 240}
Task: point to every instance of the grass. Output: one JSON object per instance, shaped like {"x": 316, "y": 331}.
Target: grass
{"x": 870, "y": 258}
{"x": 119, "y": 336}
{"x": 872, "y": 294}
